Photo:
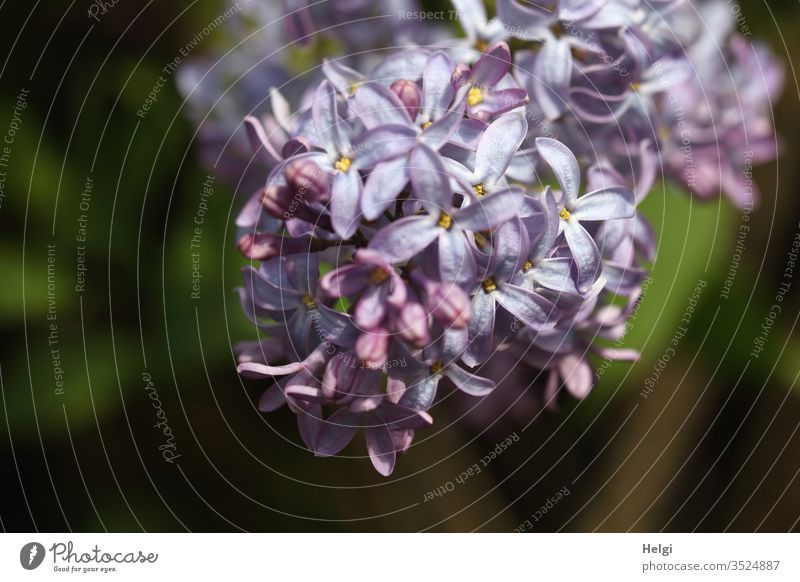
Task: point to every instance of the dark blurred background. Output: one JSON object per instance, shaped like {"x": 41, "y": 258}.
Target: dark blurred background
{"x": 88, "y": 371}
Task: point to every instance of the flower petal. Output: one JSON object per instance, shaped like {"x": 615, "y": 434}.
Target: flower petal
{"x": 456, "y": 260}
{"x": 381, "y": 449}
{"x": 552, "y": 74}
{"x": 330, "y": 129}
{"x": 384, "y": 185}
{"x": 469, "y": 383}
{"x": 564, "y": 164}
{"x": 480, "y": 328}
{"x": 530, "y": 308}
{"x": 405, "y": 238}
{"x": 585, "y": 254}
{"x": 577, "y": 374}
{"x": 430, "y": 180}
{"x": 344, "y": 205}
{"x": 489, "y": 211}
{"x": 437, "y": 89}
{"x": 497, "y": 148}
{"x": 607, "y": 204}
{"x": 375, "y": 105}
{"x": 336, "y": 433}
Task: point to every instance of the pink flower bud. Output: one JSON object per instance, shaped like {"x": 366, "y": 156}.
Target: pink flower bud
{"x": 309, "y": 180}
{"x": 448, "y": 304}
{"x": 409, "y": 95}
{"x": 372, "y": 348}
{"x": 412, "y": 324}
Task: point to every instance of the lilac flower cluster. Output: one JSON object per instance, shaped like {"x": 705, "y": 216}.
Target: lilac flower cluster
{"x": 411, "y": 182}
{"x": 427, "y": 211}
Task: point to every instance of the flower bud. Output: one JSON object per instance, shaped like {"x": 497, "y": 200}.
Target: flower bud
{"x": 277, "y": 200}
{"x": 372, "y": 348}
{"x": 448, "y": 304}
{"x": 409, "y": 94}
{"x": 309, "y": 180}
{"x": 412, "y": 324}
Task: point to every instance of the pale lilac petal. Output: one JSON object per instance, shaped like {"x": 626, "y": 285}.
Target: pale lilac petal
{"x": 577, "y": 374}
{"x": 480, "y": 328}
{"x": 375, "y": 105}
{"x": 260, "y": 142}
{"x": 510, "y": 249}
{"x": 555, "y": 274}
{"x": 497, "y": 102}
{"x": 468, "y": 133}
{"x": 552, "y": 74}
{"x": 256, "y": 370}
{"x": 380, "y": 144}
{"x": 384, "y": 185}
{"x": 437, "y": 89}
{"x": 608, "y": 204}
{"x": 421, "y": 395}
{"x": 469, "y": 383}
{"x": 564, "y": 164}
{"x": 430, "y": 180}
{"x": 330, "y": 129}
{"x": 456, "y": 260}
{"x": 345, "y": 79}
{"x": 380, "y": 448}
{"x": 525, "y": 16}
{"x": 530, "y": 308}
{"x": 498, "y": 146}
{"x": 407, "y": 64}
{"x": 489, "y": 211}
{"x": 405, "y": 238}
{"x": 344, "y": 205}
{"x": 585, "y": 254}
{"x": 346, "y": 280}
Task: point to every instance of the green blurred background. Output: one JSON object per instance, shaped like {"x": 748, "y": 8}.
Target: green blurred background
{"x": 714, "y": 446}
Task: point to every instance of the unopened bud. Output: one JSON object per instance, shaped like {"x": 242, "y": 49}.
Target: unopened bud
{"x": 412, "y": 325}
{"x": 409, "y": 94}
{"x": 372, "y": 348}
{"x": 309, "y": 180}
{"x": 448, "y": 304}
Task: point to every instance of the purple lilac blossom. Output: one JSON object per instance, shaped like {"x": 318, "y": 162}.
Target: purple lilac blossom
{"x": 440, "y": 189}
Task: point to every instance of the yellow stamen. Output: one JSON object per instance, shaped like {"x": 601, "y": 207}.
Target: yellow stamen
{"x": 527, "y": 266}
{"x": 308, "y": 301}
{"x": 664, "y": 133}
{"x": 378, "y": 276}
{"x": 636, "y": 86}
{"x": 436, "y": 367}
{"x": 354, "y": 87}
{"x": 343, "y": 164}
{"x": 489, "y": 285}
{"x": 426, "y": 125}
{"x": 475, "y": 97}
{"x": 481, "y": 46}
{"x": 445, "y": 221}
{"x": 480, "y": 190}
{"x": 564, "y": 214}
{"x": 481, "y": 240}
